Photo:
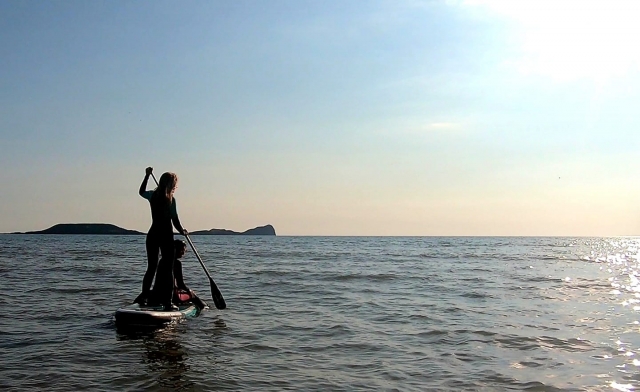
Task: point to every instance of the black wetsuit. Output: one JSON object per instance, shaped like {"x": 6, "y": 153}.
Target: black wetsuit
{"x": 160, "y": 238}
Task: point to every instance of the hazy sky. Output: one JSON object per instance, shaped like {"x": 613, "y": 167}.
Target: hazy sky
{"x": 324, "y": 117}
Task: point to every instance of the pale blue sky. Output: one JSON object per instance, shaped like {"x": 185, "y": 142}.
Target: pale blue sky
{"x": 324, "y": 117}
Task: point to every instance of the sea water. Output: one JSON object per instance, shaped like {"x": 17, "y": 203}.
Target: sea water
{"x": 330, "y": 314}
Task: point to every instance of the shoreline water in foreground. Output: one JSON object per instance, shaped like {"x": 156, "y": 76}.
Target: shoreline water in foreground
{"x": 329, "y": 313}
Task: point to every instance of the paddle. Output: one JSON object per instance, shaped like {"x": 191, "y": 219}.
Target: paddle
{"x": 216, "y": 295}
{"x": 218, "y": 299}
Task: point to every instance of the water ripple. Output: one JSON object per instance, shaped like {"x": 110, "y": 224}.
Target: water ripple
{"x": 330, "y": 313}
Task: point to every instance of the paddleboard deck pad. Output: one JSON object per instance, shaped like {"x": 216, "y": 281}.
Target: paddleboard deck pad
{"x": 137, "y": 315}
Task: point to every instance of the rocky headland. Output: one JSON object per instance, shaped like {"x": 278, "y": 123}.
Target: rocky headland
{"x": 105, "y": 228}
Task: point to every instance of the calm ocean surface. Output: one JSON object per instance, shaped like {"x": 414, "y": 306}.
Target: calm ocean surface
{"x": 329, "y": 314}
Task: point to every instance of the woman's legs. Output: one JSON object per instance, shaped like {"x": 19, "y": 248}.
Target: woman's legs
{"x": 162, "y": 270}
{"x": 152, "y": 262}
{"x": 164, "y": 277}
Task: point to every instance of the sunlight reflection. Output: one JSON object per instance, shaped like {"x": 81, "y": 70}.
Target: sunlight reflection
{"x": 622, "y": 387}
{"x": 621, "y": 257}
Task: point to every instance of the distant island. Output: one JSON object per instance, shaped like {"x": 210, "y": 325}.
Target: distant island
{"x": 261, "y": 230}
{"x": 84, "y": 228}
{"x": 105, "y": 228}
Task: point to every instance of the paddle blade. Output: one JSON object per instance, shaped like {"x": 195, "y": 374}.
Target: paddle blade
{"x": 218, "y": 299}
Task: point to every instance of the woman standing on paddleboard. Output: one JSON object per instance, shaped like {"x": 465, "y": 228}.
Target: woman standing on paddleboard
{"x": 160, "y": 237}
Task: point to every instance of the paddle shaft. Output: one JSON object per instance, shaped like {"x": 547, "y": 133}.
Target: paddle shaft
{"x": 216, "y": 295}
{"x": 198, "y": 256}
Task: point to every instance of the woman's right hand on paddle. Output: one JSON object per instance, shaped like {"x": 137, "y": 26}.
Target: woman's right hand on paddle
{"x": 148, "y": 171}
